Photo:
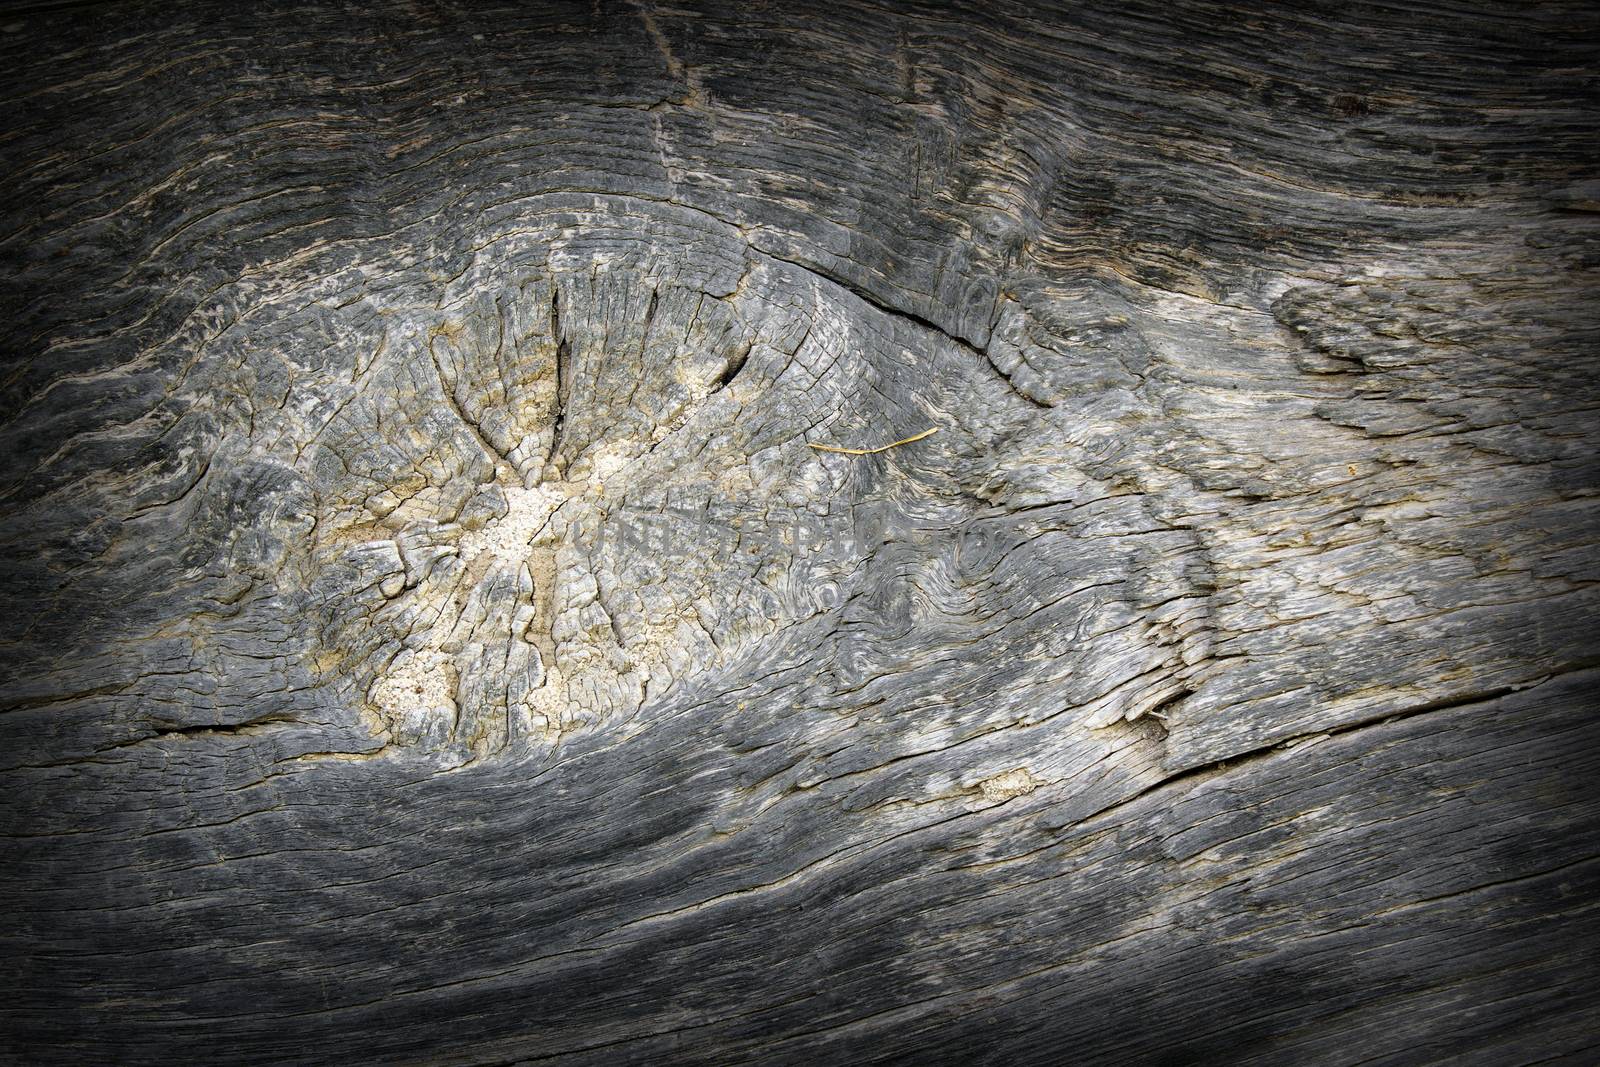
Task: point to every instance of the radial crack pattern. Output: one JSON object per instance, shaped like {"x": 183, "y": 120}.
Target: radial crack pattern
{"x": 629, "y": 533}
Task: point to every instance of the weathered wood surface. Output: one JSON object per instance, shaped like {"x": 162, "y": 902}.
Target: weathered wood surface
{"x": 429, "y": 636}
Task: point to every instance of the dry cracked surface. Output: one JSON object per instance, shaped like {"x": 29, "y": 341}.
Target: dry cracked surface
{"x": 617, "y": 533}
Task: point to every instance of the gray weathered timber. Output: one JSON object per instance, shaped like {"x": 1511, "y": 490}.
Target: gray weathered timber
{"x": 430, "y": 635}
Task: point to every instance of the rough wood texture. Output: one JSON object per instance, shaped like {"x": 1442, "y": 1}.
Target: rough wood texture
{"x": 430, "y": 636}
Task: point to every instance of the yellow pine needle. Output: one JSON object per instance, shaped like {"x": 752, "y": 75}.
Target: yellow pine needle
{"x": 880, "y": 448}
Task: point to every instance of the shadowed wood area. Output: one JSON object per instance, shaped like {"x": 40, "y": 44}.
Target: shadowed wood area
{"x": 820, "y": 533}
